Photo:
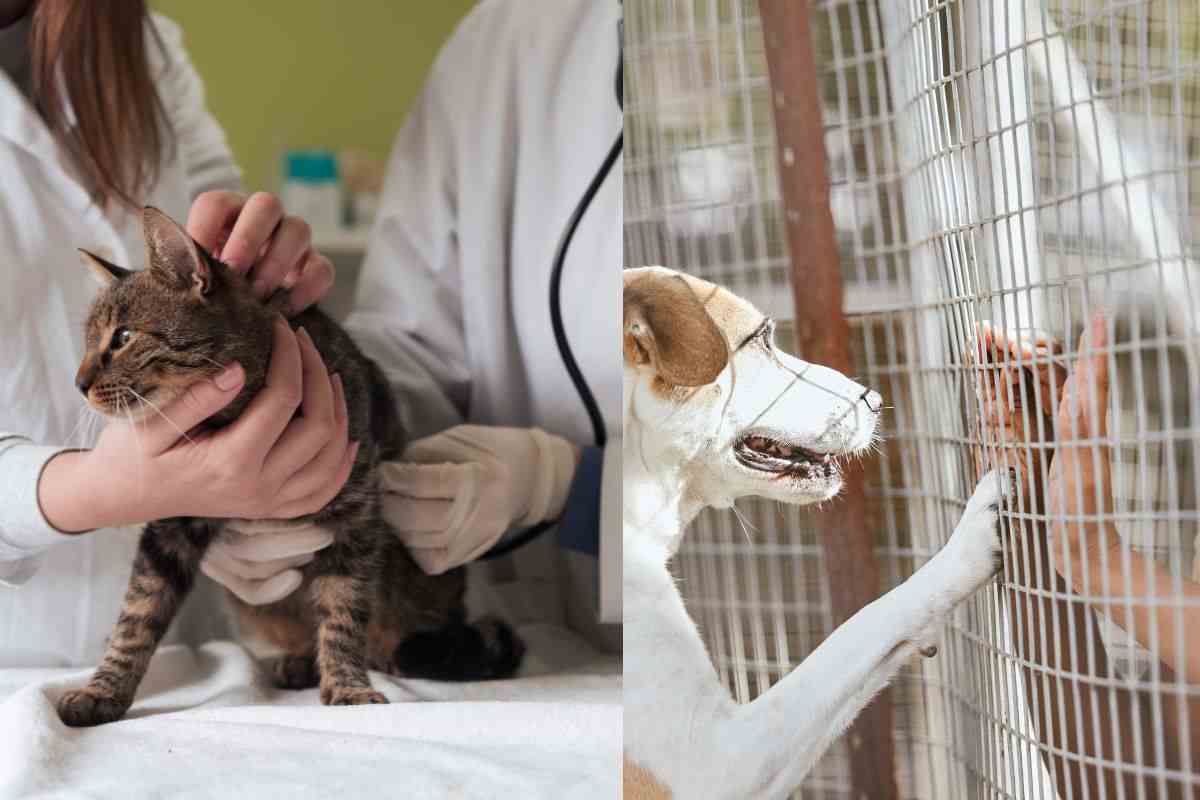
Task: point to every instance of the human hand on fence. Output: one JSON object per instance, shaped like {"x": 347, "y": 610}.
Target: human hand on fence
{"x": 1019, "y": 382}
{"x": 1079, "y": 483}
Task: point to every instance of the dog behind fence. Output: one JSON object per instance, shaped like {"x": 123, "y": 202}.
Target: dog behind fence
{"x": 1010, "y": 162}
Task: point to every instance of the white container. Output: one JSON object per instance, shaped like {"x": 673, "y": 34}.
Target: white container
{"x": 311, "y": 189}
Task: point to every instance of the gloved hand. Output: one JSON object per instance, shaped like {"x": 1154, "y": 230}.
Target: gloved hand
{"x": 464, "y": 488}
{"x": 258, "y": 559}
{"x": 457, "y": 492}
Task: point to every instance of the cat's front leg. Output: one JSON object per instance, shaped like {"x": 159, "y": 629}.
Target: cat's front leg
{"x": 342, "y": 592}
{"x": 168, "y": 556}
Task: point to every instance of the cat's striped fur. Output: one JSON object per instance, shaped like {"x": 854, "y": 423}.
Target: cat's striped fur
{"x": 363, "y": 603}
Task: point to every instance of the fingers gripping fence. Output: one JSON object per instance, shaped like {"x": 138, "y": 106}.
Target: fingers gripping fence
{"x": 998, "y": 169}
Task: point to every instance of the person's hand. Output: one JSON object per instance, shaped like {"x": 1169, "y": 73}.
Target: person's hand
{"x": 254, "y": 237}
{"x": 260, "y": 560}
{"x": 270, "y": 463}
{"x": 1079, "y": 482}
{"x": 1012, "y": 405}
{"x": 459, "y": 491}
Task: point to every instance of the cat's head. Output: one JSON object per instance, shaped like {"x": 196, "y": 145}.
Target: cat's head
{"x": 152, "y": 333}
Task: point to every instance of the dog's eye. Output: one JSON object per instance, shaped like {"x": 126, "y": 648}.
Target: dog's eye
{"x": 763, "y": 336}
{"x": 766, "y": 334}
{"x": 120, "y": 338}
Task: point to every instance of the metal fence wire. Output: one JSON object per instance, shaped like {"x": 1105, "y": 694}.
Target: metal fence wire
{"x": 1006, "y": 166}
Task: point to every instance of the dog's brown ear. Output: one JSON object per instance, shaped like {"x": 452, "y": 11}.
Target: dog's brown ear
{"x": 667, "y": 327}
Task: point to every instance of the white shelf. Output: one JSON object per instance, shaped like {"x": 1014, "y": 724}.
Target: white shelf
{"x": 341, "y": 240}
{"x": 776, "y": 301}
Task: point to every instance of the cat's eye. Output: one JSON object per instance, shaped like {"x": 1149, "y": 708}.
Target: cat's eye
{"x": 120, "y": 338}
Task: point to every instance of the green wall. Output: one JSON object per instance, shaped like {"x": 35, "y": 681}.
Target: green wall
{"x": 285, "y": 75}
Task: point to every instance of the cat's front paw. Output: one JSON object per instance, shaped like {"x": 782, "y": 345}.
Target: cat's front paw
{"x": 82, "y": 708}
{"x": 351, "y": 696}
{"x": 976, "y": 544}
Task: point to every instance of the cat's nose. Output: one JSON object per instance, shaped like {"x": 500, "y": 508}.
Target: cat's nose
{"x": 86, "y": 376}
{"x": 873, "y": 399}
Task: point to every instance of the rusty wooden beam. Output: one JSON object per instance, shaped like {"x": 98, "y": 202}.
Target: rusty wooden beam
{"x": 823, "y": 337}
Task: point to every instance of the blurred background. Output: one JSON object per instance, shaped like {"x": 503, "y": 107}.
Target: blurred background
{"x": 311, "y": 99}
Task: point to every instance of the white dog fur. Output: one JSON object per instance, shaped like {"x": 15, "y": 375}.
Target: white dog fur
{"x": 701, "y": 375}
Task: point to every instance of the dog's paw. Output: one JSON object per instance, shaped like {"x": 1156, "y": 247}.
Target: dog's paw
{"x": 991, "y": 490}
{"x": 351, "y": 696}
{"x": 927, "y": 642}
{"x": 82, "y": 708}
{"x": 976, "y": 543}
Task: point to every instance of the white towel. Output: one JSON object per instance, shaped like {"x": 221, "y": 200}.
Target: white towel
{"x": 207, "y": 724}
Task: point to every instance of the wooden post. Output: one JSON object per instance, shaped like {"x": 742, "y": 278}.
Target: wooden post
{"x": 823, "y": 337}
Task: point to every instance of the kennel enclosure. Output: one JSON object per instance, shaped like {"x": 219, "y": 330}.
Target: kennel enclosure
{"x": 1016, "y": 163}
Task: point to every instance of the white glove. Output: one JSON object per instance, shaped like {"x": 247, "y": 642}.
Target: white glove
{"x": 467, "y": 486}
{"x": 258, "y": 559}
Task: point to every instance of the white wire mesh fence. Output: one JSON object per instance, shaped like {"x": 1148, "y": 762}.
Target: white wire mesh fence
{"x": 1010, "y": 162}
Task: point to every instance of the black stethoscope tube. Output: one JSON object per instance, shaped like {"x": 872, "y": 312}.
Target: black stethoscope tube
{"x": 599, "y": 431}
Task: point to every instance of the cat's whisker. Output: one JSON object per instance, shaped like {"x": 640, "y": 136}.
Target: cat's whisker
{"x": 158, "y": 411}
{"x": 129, "y": 415}
{"x": 212, "y": 361}
{"x": 80, "y": 428}
{"x": 92, "y": 422}
{"x": 96, "y": 425}
{"x": 89, "y": 426}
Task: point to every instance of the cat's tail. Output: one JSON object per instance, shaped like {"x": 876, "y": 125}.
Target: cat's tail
{"x": 486, "y": 649}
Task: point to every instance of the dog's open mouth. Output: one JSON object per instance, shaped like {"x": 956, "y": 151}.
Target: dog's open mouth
{"x": 767, "y": 454}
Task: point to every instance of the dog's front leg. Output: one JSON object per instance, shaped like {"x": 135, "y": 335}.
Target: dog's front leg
{"x": 786, "y": 729}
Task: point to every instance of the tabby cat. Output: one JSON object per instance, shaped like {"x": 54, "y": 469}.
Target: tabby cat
{"x": 363, "y": 603}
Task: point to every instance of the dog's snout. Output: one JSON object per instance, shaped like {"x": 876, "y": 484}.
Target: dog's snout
{"x": 873, "y": 399}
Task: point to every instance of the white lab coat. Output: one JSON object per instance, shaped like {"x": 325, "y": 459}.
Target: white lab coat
{"x": 453, "y": 301}
{"x": 73, "y": 585}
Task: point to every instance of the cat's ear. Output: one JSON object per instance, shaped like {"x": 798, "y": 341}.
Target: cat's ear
{"x": 173, "y": 256}
{"x": 106, "y": 273}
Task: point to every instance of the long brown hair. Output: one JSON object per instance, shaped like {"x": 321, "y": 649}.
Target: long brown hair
{"x": 91, "y": 56}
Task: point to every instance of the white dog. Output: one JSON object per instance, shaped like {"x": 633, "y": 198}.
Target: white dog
{"x": 713, "y": 412}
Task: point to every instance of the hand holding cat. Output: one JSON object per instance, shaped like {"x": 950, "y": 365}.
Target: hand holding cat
{"x": 260, "y": 560}
{"x": 255, "y": 232}
{"x": 457, "y": 494}
{"x": 270, "y": 463}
